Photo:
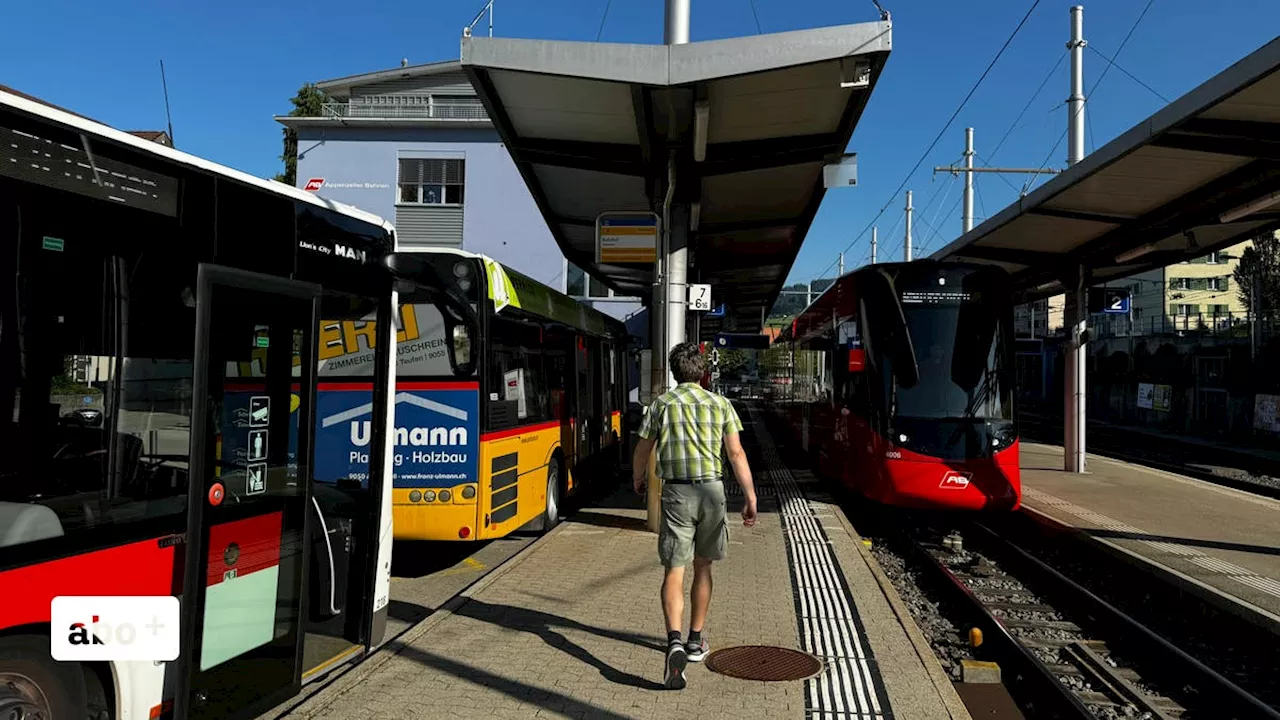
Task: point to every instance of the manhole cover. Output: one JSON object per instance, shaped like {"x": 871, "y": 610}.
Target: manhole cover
{"x": 763, "y": 662}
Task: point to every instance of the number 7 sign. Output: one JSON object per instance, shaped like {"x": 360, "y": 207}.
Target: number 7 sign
{"x": 700, "y": 297}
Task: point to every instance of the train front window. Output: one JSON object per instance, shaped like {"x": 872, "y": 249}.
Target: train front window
{"x": 963, "y": 371}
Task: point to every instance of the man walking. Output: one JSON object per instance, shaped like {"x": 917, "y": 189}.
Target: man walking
{"x": 690, "y": 427}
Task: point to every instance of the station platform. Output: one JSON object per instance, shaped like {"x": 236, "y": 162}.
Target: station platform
{"x": 572, "y": 627}
{"x": 1220, "y": 540}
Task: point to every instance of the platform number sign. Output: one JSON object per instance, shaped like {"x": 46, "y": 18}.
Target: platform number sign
{"x": 1111, "y": 301}
{"x": 700, "y": 297}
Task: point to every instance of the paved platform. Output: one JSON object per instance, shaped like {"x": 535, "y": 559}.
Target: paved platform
{"x": 1226, "y": 539}
{"x": 572, "y": 627}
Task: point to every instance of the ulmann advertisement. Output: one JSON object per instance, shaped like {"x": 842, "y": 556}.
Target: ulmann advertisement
{"x": 436, "y": 440}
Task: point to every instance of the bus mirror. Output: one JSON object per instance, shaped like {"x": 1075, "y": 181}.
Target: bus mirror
{"x": 461, "y": 346}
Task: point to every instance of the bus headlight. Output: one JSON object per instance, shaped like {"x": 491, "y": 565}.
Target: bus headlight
{"x": 415, "y": 496}
{"x": 469, "y": 492}
{"x": 445, "y": 496}
{"x": 461, "y": 270}
{"x": 429, "y": 496}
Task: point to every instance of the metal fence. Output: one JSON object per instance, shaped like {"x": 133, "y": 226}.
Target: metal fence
{"x": 1225, "y": 325}
{"x": 428, "y": 107}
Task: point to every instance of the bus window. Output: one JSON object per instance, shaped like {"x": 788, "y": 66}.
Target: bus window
{"x": 99, "y": 380}
{"x": 516, "y": 372}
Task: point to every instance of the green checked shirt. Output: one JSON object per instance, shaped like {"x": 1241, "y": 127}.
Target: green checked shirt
{"x": 689, "y": 424}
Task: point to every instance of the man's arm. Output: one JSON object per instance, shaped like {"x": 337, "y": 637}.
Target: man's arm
{"x": 742, "y": 471}
{"x": 648, "y": 433}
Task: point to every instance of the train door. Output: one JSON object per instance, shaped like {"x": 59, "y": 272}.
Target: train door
{"x": 248, "y": 510}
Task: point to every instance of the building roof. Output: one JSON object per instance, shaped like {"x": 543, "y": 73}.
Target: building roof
{"x": 341, "y": 87}
{"x": 1190, "y": 179}
{"x": 157, "y": 136}
{"x": 591, "y": 127}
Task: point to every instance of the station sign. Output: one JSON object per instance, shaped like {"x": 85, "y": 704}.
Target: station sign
{"x": 742, "y": 341}
{"x": 627, "y": 238}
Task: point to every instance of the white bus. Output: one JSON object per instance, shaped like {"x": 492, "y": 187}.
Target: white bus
{"x": 159, "y": 326}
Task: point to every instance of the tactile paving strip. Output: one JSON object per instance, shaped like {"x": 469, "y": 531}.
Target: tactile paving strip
{"x": 849, "y": 685}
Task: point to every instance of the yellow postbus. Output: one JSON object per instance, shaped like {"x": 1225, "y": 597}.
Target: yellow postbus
{"x": 500, "y": 416}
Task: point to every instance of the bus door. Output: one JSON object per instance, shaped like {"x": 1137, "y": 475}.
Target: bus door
{"x": 248, "y": 521}
{"x": 604, "y": 391}
{"x": 589, "y": 424}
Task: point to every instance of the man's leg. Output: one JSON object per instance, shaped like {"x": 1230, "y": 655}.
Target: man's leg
{"x": 700, "y": 597}
{"x": 673, "y": 598}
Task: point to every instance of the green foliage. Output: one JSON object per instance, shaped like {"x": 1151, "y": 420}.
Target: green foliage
{"x": 793, "y": 298}
{"x": 733, "y": 362}
{"x": 1261, "y": 263}
{"x": 309, "y": 102}
{"x": 64, "y": 385}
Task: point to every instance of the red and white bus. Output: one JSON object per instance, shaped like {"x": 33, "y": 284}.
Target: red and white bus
{"x": 159, "y": 326}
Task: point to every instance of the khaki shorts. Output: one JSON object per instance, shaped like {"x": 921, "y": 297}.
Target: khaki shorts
{"x": 693, "y": 523}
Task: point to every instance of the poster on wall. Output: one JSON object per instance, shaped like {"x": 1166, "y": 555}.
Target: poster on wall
{"x": 1265, "y": 411}
{"x": 1146, "y": 392}
{"x": 1162, "y": 398}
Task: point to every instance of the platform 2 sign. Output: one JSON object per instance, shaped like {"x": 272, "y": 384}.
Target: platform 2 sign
{"x": 1111, "y": 301}
{"x": 436, "y": 442}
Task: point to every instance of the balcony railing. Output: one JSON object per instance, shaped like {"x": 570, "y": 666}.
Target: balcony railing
{"x": 411, "y": 108}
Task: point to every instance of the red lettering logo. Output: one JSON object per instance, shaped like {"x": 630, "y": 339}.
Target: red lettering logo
{"x": 314, "y": 184}
{"x": 953, "y": 480}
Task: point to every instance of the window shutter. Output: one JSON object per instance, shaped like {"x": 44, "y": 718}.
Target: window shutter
{"x": 1225, "y": 282}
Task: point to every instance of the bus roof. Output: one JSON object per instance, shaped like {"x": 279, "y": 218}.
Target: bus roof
{"x": 509, "y": 287}
{"x": 92, "y": 128}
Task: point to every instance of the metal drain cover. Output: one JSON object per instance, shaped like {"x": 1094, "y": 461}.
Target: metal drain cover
{"x": 763, "y": 662}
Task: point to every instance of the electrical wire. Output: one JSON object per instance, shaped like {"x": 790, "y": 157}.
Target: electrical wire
{"x": 1025, "y": 108}
{"x": 944, "y": 129}
{"x": 1112, "y": 63}
{"x": 756, "y": 15}
{"x": 605, "y": 16}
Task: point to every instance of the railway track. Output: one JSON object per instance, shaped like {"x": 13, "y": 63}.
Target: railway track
{"x": 1064, "y": 651}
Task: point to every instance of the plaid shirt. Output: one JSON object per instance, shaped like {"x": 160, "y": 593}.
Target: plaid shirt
{"x": 689, "y": 424}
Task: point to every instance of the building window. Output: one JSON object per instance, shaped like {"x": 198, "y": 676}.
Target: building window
{"x": 1217, "y": 283}
{"x": 1180, "y": 283}
{"x": 1185, "y": 310}
{"x": 1213, "y": 258}
{"x": 431, "y": 181}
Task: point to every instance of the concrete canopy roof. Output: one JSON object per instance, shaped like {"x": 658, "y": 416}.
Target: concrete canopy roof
{"x": 591, "y": 127}
{"x": 1155, "y": 195}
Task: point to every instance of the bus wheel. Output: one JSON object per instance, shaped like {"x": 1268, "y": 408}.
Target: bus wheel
{"x": 34, "y": 686}
{"x": 551, "y": 514}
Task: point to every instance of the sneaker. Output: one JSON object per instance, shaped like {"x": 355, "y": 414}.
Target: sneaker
{"x": 697, "y": 652}
{"x": 677, "y": 658}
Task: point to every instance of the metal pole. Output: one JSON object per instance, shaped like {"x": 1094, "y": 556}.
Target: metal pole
{"x": 676, "y": 31}
{"x": 1075, "y": 115}
{"x": 808, "y": 294}
{"x": 841, "y": 265}
{"x": 968, "y": 180}
{"x": 1253, "y": 315}
{"x": 906, "y": 243}
{"x": 1077, "y": 312}
{"x": 874, "y": 233}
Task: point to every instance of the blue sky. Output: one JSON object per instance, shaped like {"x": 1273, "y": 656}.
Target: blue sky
{"x": 232, "y": 65}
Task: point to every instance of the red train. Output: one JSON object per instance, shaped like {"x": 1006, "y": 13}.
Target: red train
{"x": 902, "y": 385}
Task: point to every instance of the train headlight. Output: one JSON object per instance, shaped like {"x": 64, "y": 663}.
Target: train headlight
{"x": 1003, "y": 437}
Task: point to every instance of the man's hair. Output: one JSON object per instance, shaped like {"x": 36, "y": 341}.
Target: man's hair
{"x": 687, "y": 362}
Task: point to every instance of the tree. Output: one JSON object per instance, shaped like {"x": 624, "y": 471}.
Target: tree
{"x": 733, "y": 362}
{"x": 309, "y": 102}
{"x": 1260, "y": 262}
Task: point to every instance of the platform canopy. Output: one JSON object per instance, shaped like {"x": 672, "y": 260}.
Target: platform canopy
{"x": 1201, "y": 174}
{"x": 751, "y": 122}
